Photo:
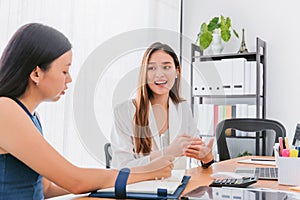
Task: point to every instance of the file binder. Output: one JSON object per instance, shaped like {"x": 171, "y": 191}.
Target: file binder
{"x": 238, "y": 76}
{"x": 224, "y": 69}
{"x": 120, "y": 190}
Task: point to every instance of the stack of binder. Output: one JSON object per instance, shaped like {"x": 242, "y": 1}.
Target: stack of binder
{"x": 225, "y": 77}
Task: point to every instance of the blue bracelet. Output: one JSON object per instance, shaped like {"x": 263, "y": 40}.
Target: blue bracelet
{"x": 121, "y": 182}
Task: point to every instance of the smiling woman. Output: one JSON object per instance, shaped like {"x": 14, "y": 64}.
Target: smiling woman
{"x": 158, "y": 121}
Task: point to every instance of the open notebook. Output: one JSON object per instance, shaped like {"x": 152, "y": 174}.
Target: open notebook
{"x": 171, "y": 184}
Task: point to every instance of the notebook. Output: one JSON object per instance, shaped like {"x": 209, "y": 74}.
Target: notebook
{"x": 265, "y": 173}
{"x": 170, "y": 188}
{"x": 171, "y": 184}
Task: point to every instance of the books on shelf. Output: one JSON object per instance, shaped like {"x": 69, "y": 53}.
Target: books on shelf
{"x": 205, "y": 119}
{"x": 209, "y": 115}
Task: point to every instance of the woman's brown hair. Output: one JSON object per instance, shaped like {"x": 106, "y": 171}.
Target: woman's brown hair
{"x": 142, "y": 133}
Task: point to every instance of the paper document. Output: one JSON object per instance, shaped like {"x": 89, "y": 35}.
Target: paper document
{"x": 171, "y": 184}
{"x": 258, "y": 161}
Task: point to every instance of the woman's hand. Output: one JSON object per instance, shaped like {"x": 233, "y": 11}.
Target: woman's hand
{"x": 158, "y": 168}
{"x": 179, "y": 145}
{"x": 199, "y": 150}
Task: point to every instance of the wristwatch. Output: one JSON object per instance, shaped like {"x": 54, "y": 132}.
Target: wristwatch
{"x": 206, "y": 165}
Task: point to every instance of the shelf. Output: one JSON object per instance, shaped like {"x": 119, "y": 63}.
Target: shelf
{"x": 246, "y": 96}
{"x": 258, "y": 99}
{"x": 244, "y": 137}
{"x": 251, "y": 56}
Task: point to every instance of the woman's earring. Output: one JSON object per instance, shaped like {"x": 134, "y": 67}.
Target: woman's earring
{"x": 176, "y": 76}
{"x": 37, "y": 83}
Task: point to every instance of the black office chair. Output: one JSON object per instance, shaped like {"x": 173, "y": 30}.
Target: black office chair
{"x": 247, "y": 125}
{"x": 108, "y": 154}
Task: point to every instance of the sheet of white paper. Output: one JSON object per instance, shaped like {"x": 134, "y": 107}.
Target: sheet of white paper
{"x": 258, "y": 161}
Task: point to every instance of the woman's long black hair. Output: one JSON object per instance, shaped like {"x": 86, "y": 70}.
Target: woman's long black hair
{"x": 32, "y": 45}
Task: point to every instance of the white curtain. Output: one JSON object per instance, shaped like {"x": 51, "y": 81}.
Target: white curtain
{"x": 90, "y": 25}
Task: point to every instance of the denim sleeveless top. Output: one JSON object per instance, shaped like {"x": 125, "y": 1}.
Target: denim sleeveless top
{"x": 17, "y": 180}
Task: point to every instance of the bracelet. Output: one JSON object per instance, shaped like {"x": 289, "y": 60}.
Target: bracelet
{"x": 121, "y": 182}
{"x": 206, "y": 165}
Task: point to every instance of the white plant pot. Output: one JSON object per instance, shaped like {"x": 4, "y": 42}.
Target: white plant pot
{"x": 217, "y": 45}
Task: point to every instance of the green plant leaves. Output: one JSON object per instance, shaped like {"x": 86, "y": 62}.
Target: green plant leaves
{"x": 205, "y": 40}
{"x": 225, "y": 34}
{"x": 205, "y": 37}
{"x": 213, "y": 24}
{"x": 225, "y": 31}
{"x": 235, "y": 33}
{"x": 222, "y": 23}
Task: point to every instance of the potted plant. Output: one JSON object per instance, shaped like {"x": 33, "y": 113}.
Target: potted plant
{"x": 219, "y": 25}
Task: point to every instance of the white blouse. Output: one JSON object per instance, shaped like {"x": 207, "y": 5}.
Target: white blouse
{"x": 122, "y": 140}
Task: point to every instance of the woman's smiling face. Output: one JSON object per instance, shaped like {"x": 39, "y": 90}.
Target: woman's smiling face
{"x": 161, "y": 73}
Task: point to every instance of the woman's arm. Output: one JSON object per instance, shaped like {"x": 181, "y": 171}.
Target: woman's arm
{"x": 123, "y": 154}
{"x": 52, "y": 190}
{"x": 19, "y": 137}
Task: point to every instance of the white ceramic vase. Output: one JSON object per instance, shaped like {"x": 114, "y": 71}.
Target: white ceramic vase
{"x": 217, "y": 45}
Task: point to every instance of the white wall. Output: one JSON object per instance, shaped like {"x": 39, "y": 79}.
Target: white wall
{"x": 277, "y": 24}
{"x": 88, "y": 25}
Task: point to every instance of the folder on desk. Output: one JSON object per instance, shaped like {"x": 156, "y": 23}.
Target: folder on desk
{"x": 144, "y": 190}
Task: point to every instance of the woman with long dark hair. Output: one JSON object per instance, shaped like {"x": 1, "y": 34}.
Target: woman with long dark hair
{"x": 34, "y": 68}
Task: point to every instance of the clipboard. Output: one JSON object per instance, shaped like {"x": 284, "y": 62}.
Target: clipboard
{"x": 120, "y": 190}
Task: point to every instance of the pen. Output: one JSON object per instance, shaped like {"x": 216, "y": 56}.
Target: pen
{"x": 280, "y": 145}
{"x": 286, "y": 142}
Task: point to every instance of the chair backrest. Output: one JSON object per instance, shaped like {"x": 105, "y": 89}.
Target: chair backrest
{"x": 108, "y": 154}
{"x": 247, "y": 125}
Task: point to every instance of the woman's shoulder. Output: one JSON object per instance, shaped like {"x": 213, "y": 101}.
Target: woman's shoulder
{"x": 125, "y": 107}
{"x": 125, "y": 104}
{"x": 6, "y": 102}
{"x": 9, "y": 109}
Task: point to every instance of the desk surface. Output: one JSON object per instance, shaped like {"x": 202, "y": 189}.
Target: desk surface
{"x": 200, "y": 176}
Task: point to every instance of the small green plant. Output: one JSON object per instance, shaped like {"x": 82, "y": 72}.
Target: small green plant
{"x": 216, "y": 24}
{"x": 245, "y": 153}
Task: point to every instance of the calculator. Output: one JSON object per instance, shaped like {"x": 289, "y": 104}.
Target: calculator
{"x": 234, "y": 182}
